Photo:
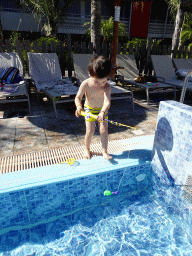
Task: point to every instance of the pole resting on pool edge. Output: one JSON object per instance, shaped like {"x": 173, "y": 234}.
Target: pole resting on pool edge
{"x": 89, "y": 115}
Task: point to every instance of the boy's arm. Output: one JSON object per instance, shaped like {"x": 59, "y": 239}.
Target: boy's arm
{"x": 107, "y": 99}
{"x": 79, "y": 97}
{"x": 106, "y": 104}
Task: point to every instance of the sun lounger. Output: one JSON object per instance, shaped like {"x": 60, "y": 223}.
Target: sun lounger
{"x": 182, "y": 63}
{"x": 81, "y": 62}
{"x": 13, "y": 92}
{"x": 45, "y": 72}
{"x": 129, "y": 73}
{"x": 183, "y": 67}
{"x": 164, "y": 71}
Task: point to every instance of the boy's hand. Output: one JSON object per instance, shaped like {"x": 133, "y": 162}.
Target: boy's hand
{"x": 78, "y": 111}
{"x": 101, "y": 116}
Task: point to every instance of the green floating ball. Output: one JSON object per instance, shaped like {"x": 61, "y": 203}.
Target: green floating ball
{"x": 107, "y": 193}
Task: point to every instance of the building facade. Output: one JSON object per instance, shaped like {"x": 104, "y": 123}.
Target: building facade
{"x": 14, "y": 18}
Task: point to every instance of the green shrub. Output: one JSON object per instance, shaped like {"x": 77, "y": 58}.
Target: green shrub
{"x": 48, "y": 40}
{"x": 135, "y": 41}
{"x": 24, "y": 56}
{"x": 107, "y": 30}
{"x": 15, "y": 35}
{"x": 140, "y": 41}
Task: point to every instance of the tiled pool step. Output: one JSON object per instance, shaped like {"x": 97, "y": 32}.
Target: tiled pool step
{"x": 55, "y": 156}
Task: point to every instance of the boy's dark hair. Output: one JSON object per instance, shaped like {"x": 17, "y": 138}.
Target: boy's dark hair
{"x": 99, "y": 67}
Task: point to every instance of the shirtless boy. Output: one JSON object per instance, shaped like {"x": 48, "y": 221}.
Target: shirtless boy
{"x": 97, "y": 93}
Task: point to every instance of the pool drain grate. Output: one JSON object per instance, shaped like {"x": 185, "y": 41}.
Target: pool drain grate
{"x": 55, "y": 156}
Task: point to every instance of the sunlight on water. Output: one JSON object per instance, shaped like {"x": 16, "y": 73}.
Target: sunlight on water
{"x": 155, "y": 223}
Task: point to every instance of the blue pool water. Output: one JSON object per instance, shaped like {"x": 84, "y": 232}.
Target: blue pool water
{"x": 61, "y": 209}
{"x": 156, "y": 221}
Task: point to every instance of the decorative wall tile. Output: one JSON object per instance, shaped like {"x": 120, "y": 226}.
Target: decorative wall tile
{"x": 173, "y": 141}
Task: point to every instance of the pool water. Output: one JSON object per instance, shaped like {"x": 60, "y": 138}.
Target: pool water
{"x": 156, "y": 221}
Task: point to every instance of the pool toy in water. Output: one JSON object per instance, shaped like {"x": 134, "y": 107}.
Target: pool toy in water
{"x": 116, "y": 192}
{"x": 89, "y": 115}
{"x": 108, "y": 193}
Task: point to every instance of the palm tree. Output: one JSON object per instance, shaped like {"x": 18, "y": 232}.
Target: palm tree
{"x": 107, "y": 29}
{"x": 95, "y": 21}
{"x": 173, "y": 5}
{"x": 178, "y": 28}
{"x": 186, "y": 34}
{"x": 48, "y": 11}
{"x": 1, "y": 31}
{"x": 180, "y": 16}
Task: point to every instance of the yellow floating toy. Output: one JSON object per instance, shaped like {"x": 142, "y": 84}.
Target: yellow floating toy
{"x": 69, "y": 161}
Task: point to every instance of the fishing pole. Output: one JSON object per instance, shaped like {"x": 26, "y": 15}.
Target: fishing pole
{"x": 88, "y": 115}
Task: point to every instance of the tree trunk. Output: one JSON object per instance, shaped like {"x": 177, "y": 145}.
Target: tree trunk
{"x": 1, "y": 30}
{"x": 95, "y": 21}
{"x": 178, "y": 28}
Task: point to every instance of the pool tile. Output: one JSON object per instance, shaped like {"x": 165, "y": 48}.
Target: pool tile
{"x": 40, "y": 204}
{"x": 173, "y": 140}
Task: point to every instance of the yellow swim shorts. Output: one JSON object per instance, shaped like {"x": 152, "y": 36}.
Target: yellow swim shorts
{"x": 94, "y": 111}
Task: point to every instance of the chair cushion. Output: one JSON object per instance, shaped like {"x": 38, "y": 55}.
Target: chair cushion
{"x": 182, "y": 73}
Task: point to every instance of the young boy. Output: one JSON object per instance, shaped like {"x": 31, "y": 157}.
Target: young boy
{"x": 97, "y": 101}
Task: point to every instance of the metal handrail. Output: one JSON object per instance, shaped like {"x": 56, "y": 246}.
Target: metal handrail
{"x": 185, "y": 86}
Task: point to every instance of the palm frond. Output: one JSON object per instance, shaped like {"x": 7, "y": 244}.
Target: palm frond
{"x": 189, "y": 46}
{"x": 107, "y": 28}
{"x": 87, "y": 24}
{"x": 186, "y": 33}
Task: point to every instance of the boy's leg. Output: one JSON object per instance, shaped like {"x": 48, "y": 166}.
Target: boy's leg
{"x": 90, "y": 130}
{"x": 103, "y": 129}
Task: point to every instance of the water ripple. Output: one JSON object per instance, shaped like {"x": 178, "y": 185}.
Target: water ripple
{"x": 155, "y": 224}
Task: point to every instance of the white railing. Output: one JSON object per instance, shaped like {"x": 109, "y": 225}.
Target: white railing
{"x": 14, "y": 10}
{"x": 71, "y": 22}
{"x": 161, "y": 22}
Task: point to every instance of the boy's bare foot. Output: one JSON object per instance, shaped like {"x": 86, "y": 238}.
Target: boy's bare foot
{"x": 87, "y": 154}
{"x": 107, "y": 156}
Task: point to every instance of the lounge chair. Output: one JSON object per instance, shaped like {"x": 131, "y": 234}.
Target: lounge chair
{"x": 13, "y": 92}
{"x": 164, "y": 70}
{"x": 81, "y": 62}
{"x": 182, "y": 63}
{"x": 130, "y": 72}
{"x": 45, "y": 72}
{"x": 183, "y": 67}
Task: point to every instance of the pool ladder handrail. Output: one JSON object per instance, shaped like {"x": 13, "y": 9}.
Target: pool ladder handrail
{"x": 185, "y": 83}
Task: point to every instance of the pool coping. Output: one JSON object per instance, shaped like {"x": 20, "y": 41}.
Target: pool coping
{"x": 40, "y": 176}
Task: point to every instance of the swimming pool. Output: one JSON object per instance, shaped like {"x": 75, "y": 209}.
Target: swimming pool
{"x": 62, "y": 210}
{"x": 149, "y": 223}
